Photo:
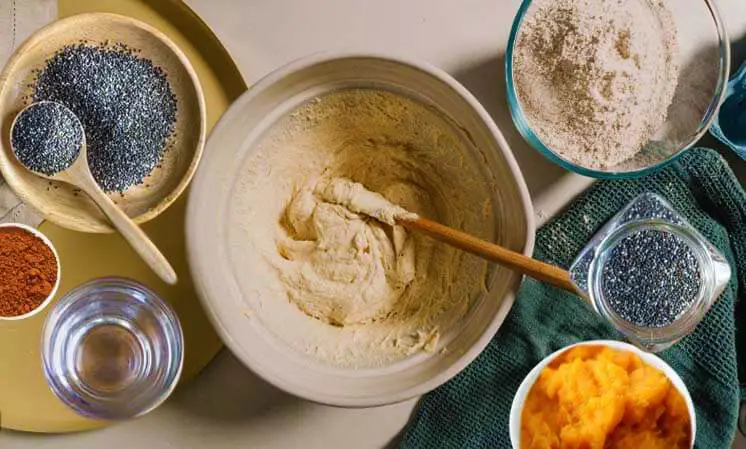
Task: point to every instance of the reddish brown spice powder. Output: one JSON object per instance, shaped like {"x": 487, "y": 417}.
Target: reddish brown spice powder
{"x": 28, "y": 271}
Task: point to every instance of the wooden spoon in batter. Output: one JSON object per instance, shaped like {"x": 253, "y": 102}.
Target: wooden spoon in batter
{"x": 355, "y": 197}
{"x": 544, "y": 272}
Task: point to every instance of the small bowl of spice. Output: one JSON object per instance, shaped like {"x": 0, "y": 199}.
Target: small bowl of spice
{"x": 29, "y": 271}
{"x": 615, "y": 89}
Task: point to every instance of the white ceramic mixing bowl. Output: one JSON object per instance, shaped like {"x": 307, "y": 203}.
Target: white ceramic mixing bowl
{"x": 222, "y": 285}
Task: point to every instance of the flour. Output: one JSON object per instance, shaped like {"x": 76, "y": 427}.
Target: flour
{"x": 595, "y": 78}
{"x": 330, "y": 281}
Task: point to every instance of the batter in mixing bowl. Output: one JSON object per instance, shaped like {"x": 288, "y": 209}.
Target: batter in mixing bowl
{"x": 345, "y": 288}
{"x": 346, "y": 269}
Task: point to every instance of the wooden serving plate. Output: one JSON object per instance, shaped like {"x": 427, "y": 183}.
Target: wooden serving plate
{"x": 59, "y": 202}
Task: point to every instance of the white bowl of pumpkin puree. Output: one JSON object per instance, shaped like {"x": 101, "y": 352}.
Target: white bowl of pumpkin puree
{"x": 602, "y": 395}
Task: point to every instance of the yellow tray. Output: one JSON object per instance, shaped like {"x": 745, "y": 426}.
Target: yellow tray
{"x": 25, "y": 400}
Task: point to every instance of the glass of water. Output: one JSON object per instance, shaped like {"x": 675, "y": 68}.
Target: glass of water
{"x": 112, "y": 349}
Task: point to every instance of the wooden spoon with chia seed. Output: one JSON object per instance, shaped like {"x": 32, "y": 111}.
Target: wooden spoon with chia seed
{"x": 48, "y": 139}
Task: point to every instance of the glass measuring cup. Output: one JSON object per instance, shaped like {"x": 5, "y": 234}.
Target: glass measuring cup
{"x": 650, "y": 212}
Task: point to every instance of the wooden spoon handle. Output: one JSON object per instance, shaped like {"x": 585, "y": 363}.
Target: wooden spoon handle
{"x": 495, "y": 253}
{"x": 138, "y": 240}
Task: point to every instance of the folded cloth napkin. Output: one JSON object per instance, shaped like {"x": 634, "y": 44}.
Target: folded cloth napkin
{"x": 471, "y": 411}
{"x": 18, "y": 19}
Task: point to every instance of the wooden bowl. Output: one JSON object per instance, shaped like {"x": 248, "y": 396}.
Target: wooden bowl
{"x": 59, "y": 202}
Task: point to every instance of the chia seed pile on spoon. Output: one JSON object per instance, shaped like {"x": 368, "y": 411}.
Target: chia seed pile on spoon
{"x": 47, "y": 138}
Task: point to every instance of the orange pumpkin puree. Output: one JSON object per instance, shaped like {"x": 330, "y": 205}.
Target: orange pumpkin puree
{"x": 594, "y": 397}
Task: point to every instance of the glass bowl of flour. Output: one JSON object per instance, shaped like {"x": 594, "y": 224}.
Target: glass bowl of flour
{"x": 615, "y": 89}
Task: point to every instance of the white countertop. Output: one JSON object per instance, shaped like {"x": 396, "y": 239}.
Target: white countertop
{"x": 228, "y": 406}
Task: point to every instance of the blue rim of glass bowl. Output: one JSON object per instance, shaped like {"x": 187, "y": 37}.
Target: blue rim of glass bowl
{"x": 528, "y": 134}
